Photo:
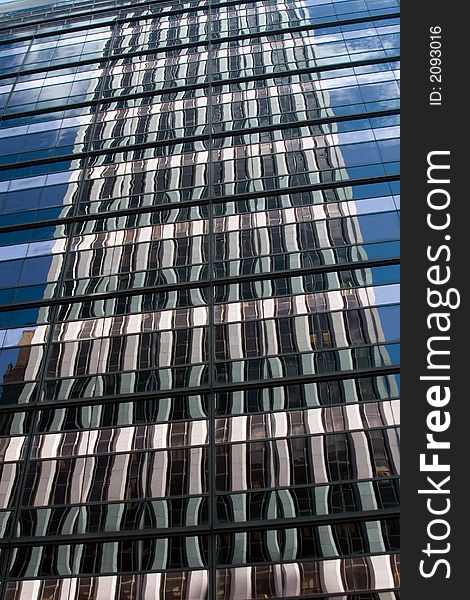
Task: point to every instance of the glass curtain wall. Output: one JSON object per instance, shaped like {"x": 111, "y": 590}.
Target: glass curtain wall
{"x": 199, "y": 295}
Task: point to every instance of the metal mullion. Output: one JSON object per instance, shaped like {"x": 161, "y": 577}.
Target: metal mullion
{"x": 203, "y": 284}
{"x": 327, "y": 24}
{"x": 318, "y": 559}
{"x": 340, "y": 289}
{"x": 244, "y": 79}
{"x": 318, "y": 376}
{"x": 239, "y": 37}
{"x": 248, "y": 441}
{"x": 202, "y": 137}
{"x": 307, "y": 353}
{"x": 110, "y": 23}
{"x": 221, "y": 416}
{"x": 217, "y": 200}
{"x": 202, "y": 530}
{"x": 288, "y": 295}
{"x": 230, "y": 387}
{"x": 143, "y": 499}
{"x": 41, "y": 21}
{"x": 222, "y": 493}
{"x": 212, "y": 563}
{"x": 108, "y": 58}
{"x": 118, "y": 10}
{"x": 274, "y": 318}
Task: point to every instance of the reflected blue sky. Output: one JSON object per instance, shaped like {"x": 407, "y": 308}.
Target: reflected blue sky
{"x": 390, "y": 321}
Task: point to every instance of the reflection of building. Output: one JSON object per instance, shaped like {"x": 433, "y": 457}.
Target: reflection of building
{"x": 199, "y": 308}
{"x": 17, "y": 371}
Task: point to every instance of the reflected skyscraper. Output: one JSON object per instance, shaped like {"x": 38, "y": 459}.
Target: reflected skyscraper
{"x": 199, "y": 300}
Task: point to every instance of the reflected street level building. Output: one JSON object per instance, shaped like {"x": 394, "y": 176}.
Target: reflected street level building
{"x": 199, "y": 300}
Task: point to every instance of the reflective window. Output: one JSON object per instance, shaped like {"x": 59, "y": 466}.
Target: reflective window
{"x": 199, "y": 296}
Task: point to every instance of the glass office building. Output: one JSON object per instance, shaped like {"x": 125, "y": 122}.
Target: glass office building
{"x": 199, "y": 300}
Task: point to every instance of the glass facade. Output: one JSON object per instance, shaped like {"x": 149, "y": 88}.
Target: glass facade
{"x": 199, "y": 290}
